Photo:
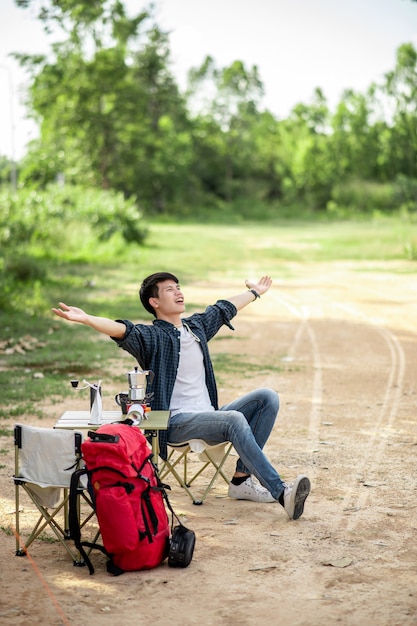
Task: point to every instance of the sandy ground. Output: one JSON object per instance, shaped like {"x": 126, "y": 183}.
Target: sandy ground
{"x": 342, "y": 341}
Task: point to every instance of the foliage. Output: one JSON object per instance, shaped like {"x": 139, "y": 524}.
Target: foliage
{"x": 60, "y": 222}
{"x": 112, "y": 116}
{"x": 8, "y": 172}
{"x": 354, "y": 197}
{"x": 109, "y": 110}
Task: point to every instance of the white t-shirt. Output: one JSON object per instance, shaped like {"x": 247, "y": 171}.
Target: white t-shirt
{"x": 190, "y": 394}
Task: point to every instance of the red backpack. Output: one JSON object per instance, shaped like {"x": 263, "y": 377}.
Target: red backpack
{"x": 129, "y": 500}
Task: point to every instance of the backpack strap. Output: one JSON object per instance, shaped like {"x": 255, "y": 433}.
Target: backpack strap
{"x": 151, "y": 525}
{"x": 75, "y": 531}
{"x": 163, "y": 488}
{"x": 74, "y": 522}
{"x": 113, "y": 569}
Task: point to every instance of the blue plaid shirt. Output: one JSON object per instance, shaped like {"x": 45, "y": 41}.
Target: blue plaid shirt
{"x": 156, "y": 347}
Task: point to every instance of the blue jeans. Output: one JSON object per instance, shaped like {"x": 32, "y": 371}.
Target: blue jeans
{"x": 246, "y": 423}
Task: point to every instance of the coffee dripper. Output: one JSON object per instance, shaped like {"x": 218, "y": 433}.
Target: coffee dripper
{"x": 96, "y": 405}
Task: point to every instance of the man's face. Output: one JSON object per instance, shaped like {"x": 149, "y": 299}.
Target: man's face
{"x": 170, "y": 299}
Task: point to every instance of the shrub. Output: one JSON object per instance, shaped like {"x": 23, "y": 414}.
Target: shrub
{"x": 359, "y": 196}
{"x": 59, "y": 223}
{"x": 30, "y": 217}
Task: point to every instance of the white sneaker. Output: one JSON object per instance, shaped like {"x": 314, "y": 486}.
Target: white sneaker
{"x": 295, "y": 495}
{"x": 249, "y": 490}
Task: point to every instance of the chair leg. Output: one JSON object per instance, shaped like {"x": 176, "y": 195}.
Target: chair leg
{"x": 92, "y": 512}
{"x": 218, "y": 472}
{"x": 45, "y": 520}
{"x": 169, "y": 468}
{"x": 169, "y": 463}
{"x": 186, "y": 482}
{"x": 17, "y": 517}
{"x": 17, "y": 500}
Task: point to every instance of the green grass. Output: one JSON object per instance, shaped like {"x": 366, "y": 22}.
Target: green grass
{"x": 225, "y": 364}
{"x": 209, "y": 250}
{"x": 220, "y": 255}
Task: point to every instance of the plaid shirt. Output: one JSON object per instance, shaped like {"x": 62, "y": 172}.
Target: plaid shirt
{"x": 156, "y": 347}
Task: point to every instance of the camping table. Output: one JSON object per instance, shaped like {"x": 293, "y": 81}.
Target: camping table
{"x": 80, "y": 420}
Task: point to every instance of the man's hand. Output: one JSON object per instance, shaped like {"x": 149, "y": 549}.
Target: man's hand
{"x": 71, "y": 313}
{"x": 243, "y": 299}
{"x": 261, "y": 286}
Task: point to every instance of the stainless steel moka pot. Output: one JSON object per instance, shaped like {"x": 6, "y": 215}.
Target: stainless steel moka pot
{"x": 137, "y": 384}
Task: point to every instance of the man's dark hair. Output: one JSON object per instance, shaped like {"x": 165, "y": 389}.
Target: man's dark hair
{"x": 149, "y": 288}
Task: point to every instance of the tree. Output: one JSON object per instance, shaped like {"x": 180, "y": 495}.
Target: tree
{"x": 304, "y": 146}
{"x": 112, "y": 116}
{"x": 8, "y": 172}
{"x": 76, "y": 90}
{"x": 158, "y": 129}
{"x": 354, "y": 140}
{"x": 401, "y": 88}
{"x": 227, "y": 99}
{"x": 109, "y": 110}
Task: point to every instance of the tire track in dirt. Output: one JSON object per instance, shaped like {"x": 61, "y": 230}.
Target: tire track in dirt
{"x": 302, "y": 312}
{"x": 353, "y": 366}
{"x": 372, "y": 455}
{"x": 373, "y": 451}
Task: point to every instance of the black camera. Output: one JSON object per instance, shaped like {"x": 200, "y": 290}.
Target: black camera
{"x": 181, "y": 547}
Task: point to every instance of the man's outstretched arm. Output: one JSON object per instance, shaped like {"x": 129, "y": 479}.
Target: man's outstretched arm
{"x": 101, "y": 324}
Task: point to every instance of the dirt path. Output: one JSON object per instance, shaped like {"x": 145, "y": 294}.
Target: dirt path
{"x": 343, "y": 341}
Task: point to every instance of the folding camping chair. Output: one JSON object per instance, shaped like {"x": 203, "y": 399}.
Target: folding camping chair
{"x": 45, "y": 459}
{"x": 211, "y": 457}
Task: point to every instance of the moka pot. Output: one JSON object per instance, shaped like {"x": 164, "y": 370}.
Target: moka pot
{"x": 137, "y": 380}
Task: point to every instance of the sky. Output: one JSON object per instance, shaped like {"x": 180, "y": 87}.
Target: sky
{"x": 297, "y": 45}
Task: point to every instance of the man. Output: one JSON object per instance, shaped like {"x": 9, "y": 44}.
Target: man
{"x": 175, "y": 349}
